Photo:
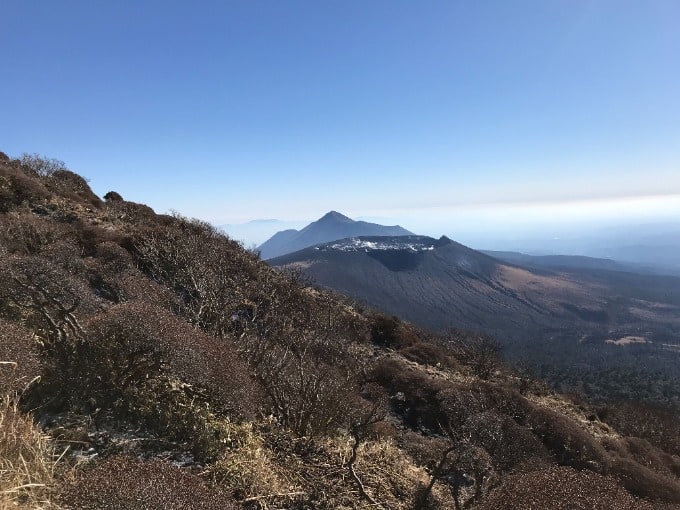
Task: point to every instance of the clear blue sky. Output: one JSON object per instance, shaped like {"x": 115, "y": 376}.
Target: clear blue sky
{"x": 232, "y": 111}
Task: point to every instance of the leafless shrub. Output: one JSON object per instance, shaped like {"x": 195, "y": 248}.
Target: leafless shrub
{"x": 18, "y": 358}
{"x": 134, "y": 286}
{"x": 508, "y": 444}
{"x": 464, "y": 467}
{"x": 428, "y": 354}
{"x": 644, "y": 453}
{"x": 41, "y": 165}
{"x": 464, "y": 399}
{"x": 565, "y": 439}
{"x": 129, "y": 212}
{"x": 656, "y": 424}
{"x": 207, "y": 271}
{"x": 299, "y": 345}
{"x": 46, "y": 299}
{"x": 561, "y": 488}
{"x": 126, "y": 483}
{"x": 480, "y": 352}
{"x": 390, "y": 332}
{"x": 72, "y": 186}
{"x": 29, "y": 234}
{"x": 644, "y": 482}
{"x": 114, "y": 257}
{"x": 113, "y": 196}
{"x": 381, "y": 430}
{"x": 17, "y": 187}
{"x": 414, "y": 395}
{"x": 134, "y": 345}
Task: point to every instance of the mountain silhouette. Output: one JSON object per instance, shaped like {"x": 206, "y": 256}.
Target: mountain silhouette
{"x": 330, "y": 227}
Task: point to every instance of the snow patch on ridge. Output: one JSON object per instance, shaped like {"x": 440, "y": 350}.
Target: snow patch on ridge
{"x": 358, "y": 244}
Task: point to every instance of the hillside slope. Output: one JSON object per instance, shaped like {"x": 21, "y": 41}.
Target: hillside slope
{"x": 149, "y": 362}
{"x": 441, "y": 283}
{"x": 572, "y": 324}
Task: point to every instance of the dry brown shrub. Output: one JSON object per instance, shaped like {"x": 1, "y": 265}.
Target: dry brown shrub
{"x": 132, "y": 343}
{"x": 561, "y": 488}
{"x": 391, "y": 332}
{"x": 213, "y": 277}
{"x": 125, "y": 483}
{"x": 18, "y": 358}
{"x": 134, "y": 286}
{"x": 27, "y": 461}
{"x": 415, "y": 395}
{"x": 567, "y": 441}
{"x": 26, "y": 233}
{"x": 16, "y": 187}
{"x": 644, "y": 453}
{"x": 113, "y": 196}
{"x": 114, "y": 257}
{"x": 509, "y": 445}
{"x": 644, "y": 482}
{"x": 89, "y": 236}
{"x": 381, "y": 430}
{"x": 426, "y": 451}
{"x": 656, "y": 424}
{"x": 428, "y": 354}
{"x": 480, "y": 352}
{"x": 129, "y": 212}
{"x": 41, "y": 166}
{"x": 72, "y": 186}
{"x": 43, "y": 294}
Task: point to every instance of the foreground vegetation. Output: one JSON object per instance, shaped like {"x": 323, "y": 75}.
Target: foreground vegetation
{"x": 152, "y": 353}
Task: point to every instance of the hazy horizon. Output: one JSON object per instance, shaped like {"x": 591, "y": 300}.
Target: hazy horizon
{"x": 651, "y": 242}
{"x": 481, "y": 121}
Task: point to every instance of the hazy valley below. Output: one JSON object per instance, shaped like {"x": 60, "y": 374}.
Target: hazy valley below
{"x": 560, "y": 316}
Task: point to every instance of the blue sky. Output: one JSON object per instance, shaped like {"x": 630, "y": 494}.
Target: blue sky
{"x": 426, "y": 112}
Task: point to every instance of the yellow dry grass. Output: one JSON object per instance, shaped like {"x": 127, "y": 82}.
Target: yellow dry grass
{"x": 247, "y": 468}
{"x": 27, "y": 461}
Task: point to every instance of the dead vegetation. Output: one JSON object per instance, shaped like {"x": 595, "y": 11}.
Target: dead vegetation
{"x": 28, "y": 460}
{"x": 160, "y": 356}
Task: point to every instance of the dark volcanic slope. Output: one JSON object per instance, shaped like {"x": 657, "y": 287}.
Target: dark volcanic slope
{"x": 441, "y": 284}
{"x": 438, "y": 283}
{"x": 330, "y": 227}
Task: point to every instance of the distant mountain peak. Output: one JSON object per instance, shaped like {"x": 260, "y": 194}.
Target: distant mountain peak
{"x": 332, "y": 226}
{"x": 335, "y": 216}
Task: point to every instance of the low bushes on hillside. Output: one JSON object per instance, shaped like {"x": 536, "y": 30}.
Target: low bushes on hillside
{"x": 656, "y": 424}
{"x": 127, "y": 483}
{"x": 19, "y": 364}
{"x": 561, "y": 488}
{"x": 567, "y": 441}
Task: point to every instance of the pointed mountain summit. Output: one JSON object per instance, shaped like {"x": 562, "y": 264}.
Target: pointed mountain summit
{"x": 334, "y": 217}
{"x": 330, "y": 227}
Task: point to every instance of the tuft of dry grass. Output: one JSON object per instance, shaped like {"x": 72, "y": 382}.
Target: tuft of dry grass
{"x": 27, "y": 461}
{"x": 246, "y": 467}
